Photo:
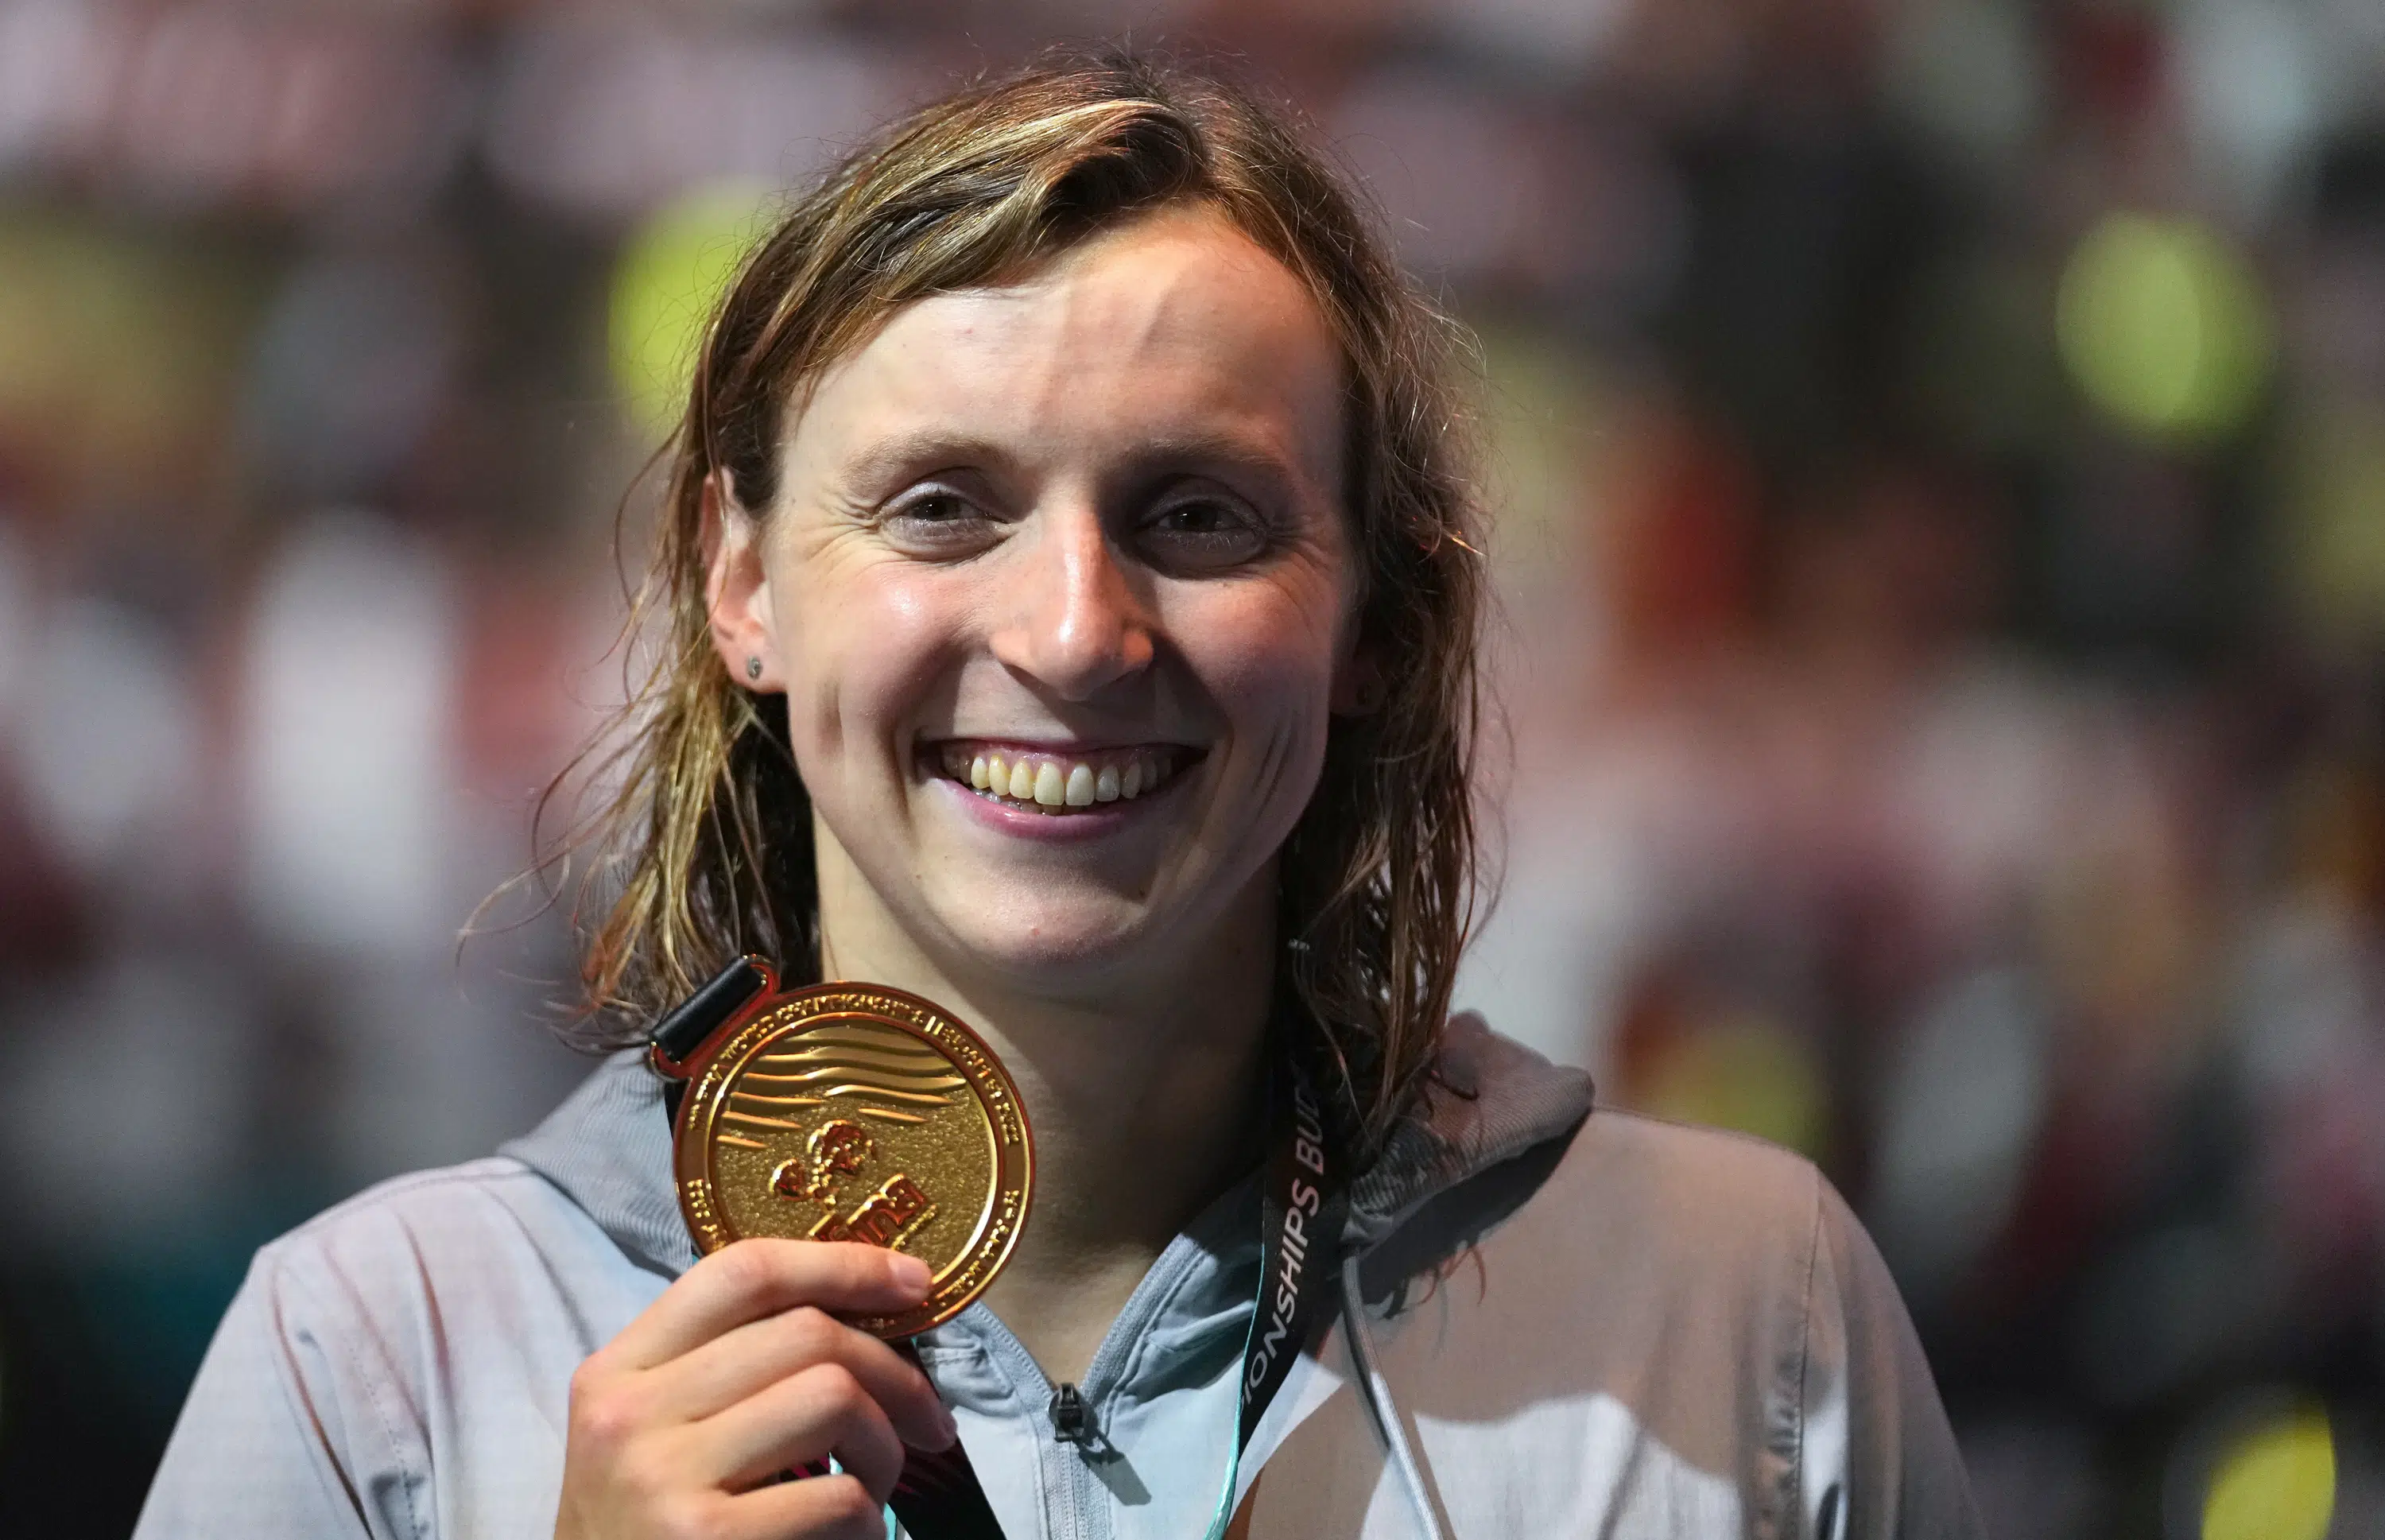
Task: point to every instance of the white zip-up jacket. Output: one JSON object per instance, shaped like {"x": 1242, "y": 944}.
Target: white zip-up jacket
{"x": 1553, "y": 1324}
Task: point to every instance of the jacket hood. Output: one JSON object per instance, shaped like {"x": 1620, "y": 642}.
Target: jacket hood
{"x": 1489, "y": 1099}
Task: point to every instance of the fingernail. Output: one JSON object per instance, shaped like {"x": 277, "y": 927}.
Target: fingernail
{"x": 910, "y": 1271}
{"x": 951, "y": 1430}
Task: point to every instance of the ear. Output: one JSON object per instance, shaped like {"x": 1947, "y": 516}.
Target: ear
{"x": 1359, "y": 688}
{"x": 736, "y": 588}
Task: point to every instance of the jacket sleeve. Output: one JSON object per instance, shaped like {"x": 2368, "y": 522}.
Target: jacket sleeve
{"x": 290, "y": 1429}
{"x": 1877, "y": 1458}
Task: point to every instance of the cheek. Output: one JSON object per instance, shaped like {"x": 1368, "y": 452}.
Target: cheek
{"x": 1269, "y": 666}
{"x": 868, "y": 651}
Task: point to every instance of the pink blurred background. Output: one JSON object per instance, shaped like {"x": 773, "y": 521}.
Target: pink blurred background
{"x": 1939, "y": 454}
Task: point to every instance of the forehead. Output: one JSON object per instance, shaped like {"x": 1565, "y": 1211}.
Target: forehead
{"x": 1174, "y": 328}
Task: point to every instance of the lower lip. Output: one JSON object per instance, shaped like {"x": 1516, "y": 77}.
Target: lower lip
{"x": 1095, "y": 823}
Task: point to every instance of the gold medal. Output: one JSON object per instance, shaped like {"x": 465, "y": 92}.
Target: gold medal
{"x": 854, "y": 1112}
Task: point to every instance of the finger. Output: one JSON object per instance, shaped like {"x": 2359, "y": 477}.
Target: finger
{"x": 822, "y": 1410}
{"x": 817, "y": 1508}
{"x": 744, "y": 1361}
{"x": 751, "y": 1278}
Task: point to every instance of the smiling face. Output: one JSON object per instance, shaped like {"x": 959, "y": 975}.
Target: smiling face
{"x": 1059, "y": 589}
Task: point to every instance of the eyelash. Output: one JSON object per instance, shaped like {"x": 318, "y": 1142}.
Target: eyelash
{"x": 1198, "y": 504}
{"x": 1232, "y": 525}
{"x": 965, "y": 520}
{"x": 936, "y": 520}
{"x": 914, "y": 505}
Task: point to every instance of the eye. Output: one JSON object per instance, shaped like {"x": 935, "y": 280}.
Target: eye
{"x": 936, "y": 520}
{"x": 1203, "y": 531}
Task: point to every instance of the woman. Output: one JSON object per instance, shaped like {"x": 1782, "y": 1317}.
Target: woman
{"x": 1074, "y": 584}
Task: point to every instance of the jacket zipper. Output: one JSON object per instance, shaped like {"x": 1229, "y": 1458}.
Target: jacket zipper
{"x": 1072, "y": 1421}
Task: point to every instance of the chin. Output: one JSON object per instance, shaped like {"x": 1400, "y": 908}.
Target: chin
{"x": 1063, "y": 944}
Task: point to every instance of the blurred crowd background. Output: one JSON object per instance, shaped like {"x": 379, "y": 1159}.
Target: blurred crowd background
{"x": 1940, "y": 450}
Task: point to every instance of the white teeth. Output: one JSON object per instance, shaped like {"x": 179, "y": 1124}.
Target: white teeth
{"x": 1056, "y": 782}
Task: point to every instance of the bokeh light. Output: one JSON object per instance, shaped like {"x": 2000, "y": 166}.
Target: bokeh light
{"x": 2163, "y": 326}
{"x": 2275, "y": 1482}
{"x": 672, "y": 270}
{"x": 1740, "y": 1071}
{"x": 114, "y": 353}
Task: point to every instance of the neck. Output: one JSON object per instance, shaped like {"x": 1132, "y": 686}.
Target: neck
{"x": 1143, "y": 1097}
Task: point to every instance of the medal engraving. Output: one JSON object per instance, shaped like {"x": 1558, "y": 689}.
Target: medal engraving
{"x": 859, "y": 1113}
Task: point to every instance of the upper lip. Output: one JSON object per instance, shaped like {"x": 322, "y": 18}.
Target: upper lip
{"x": 1058, "y": 745}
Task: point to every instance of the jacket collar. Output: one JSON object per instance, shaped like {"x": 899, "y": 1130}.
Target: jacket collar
{"x": 1489, "y": 1100}
{"x": 608, "y": 1148}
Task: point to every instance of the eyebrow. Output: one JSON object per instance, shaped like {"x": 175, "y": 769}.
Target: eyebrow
{"x": 903, "y": 455}
{"x": 1226, "y": 451}
{"x": 906, "y": 453}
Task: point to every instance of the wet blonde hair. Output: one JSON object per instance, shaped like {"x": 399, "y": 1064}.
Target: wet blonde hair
{"x": 710, "y": 833}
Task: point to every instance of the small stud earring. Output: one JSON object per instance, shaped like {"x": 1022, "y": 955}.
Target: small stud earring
{"x": 753, "y": 667}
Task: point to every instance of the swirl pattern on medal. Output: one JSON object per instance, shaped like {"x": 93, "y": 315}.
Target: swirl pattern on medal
{"x": 868, "y": 1073}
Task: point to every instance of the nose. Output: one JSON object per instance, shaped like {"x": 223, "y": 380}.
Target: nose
{"x": 1073, "y": 622}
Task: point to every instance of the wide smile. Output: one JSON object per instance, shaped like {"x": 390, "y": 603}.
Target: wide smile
{"x": 1061, "y": 782}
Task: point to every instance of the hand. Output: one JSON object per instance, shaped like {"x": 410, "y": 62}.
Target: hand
{"x": 736, "y": 1373}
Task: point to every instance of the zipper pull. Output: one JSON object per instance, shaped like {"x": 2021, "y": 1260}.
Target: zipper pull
{"x": 1071, "y": 1423}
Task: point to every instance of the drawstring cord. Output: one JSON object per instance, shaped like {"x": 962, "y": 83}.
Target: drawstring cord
{"x": 1378, "y": 1404}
